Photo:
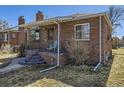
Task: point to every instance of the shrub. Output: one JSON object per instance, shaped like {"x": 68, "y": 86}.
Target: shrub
{"x": 78, "y": 57}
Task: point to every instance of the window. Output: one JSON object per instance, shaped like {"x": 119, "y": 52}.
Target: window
{"x": 35, "y": 35}
{"x": 82, "y": 31}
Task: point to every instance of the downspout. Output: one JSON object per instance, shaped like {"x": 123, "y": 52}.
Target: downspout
{"x": 58, "y": 44}
{"x": 100, "y": 44}
{"x": 58, "y": 52}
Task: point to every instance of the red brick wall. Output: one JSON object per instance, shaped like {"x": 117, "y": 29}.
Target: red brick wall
{"x": 91, "y": 46}
{"x": 106, "y": 39}
{"x": 67, "y": 34}
{"x": 39, "y": 16}
{"x": 22, "y": 37}
{"x": 13, "y": 41}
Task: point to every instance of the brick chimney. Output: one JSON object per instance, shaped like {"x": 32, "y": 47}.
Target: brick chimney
{"x": 22, "y": 34}
{"x": 39, "y": 16}
{"x": 21, "y": 20}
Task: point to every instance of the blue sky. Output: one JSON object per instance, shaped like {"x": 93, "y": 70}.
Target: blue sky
{"x": 11, "y": 13}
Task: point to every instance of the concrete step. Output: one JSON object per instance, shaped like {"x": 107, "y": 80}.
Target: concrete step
{"x": 32, "y": 63}
{"x": 33, "y": 59}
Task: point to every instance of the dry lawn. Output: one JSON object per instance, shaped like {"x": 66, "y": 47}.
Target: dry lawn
{"x": 61, "y": 77}
{"x": 78, "y": 76}
{"x": 116, "y": 77}
{"x": 4, "y": 57}
{"x": 9, "y": 55}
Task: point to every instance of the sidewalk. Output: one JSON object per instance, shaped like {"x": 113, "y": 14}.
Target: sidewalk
{"x": 12, "y": 66}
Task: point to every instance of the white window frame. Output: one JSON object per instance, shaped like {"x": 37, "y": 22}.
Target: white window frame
{"x": 75, "y": 32}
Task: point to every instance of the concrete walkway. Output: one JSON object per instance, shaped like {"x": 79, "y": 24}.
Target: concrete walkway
{"x": 12, "y": 66}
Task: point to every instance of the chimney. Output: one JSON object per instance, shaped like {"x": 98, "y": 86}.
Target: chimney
{"x": 21, "y": 20}
{"x": 39, "y": 16}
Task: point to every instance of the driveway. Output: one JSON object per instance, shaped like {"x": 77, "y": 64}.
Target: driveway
{"x": 12, "y": 66}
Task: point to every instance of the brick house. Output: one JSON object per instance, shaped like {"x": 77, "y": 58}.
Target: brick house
{"x": 91, "y": 32}
{"x": 14, "y": 36}
{"x": 9, "y": 37}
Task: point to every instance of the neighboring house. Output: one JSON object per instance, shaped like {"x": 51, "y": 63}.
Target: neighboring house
{"x": 9, "y": 37}
{"x": 13, "y": 36}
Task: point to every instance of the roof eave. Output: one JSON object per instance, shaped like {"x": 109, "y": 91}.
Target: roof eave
{"x": 47, "y": 22}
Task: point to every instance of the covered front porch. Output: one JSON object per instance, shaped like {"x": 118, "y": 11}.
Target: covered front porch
{"x": 44, "y": 38}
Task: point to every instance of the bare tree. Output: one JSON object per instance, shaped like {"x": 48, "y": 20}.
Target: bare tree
{"x": 3, "y": 24}
{"x": 116, "y": 15}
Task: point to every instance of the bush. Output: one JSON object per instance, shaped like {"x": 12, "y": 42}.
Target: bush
{"x": 78, "y": 57}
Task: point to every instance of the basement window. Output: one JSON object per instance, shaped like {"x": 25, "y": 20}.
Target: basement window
{"x": 82, "y": 31}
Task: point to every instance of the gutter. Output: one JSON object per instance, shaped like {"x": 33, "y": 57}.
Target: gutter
{"x": 100, "y": 45}
{"x": 58, "y": 52}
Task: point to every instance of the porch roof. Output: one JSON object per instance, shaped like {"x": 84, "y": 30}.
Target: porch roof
{"x": 38, "y": 23}
{"x": 8, "y": 30}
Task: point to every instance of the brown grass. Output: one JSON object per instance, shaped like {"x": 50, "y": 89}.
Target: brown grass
{"x": 79, "y": 76}
{"x": 8, "y": 55}
{"x": 116, "y": 77}
{"x": 63, "y": 76}
{"x": 5, "y": 57}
